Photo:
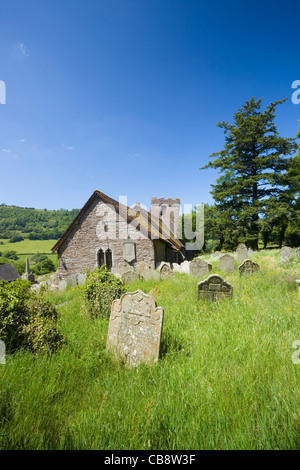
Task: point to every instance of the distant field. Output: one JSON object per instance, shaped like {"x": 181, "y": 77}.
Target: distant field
{"x": 28, "y": 246}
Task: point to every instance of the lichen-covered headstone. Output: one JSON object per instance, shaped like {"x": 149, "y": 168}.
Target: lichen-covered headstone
{"x": 214, "y": 288}
{"x": 199, "y": 267}
{"x": 286, "y": 254}
{"x": 248, "y": 267}
{"x": 165, "y": 271}
{"x": 185, "y": 267}
{"x": 226, "y": 263}
{"x": 135, "y": 328}
{"x": 241, "y": 253}
{"x": 150, "y": 275}
{"x": 130, "y": 276}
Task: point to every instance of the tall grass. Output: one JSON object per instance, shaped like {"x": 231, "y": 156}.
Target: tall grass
{"x": 225, "y": 378}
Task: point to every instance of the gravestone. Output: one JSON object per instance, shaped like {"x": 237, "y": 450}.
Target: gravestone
{"x": 216, "y": 254}
{"x": 297, "y": 253}
{"x": 165, "y": 271}
{"x": 248, "y": 267}
{"x": 185, "y": 267}
{"x": 241, "y": 253}
{"x": 28, "y": 276}
{"x": 176, "y": 268}
{"x": 226, "y": 263}
{"x": 62, "y": 285}
{"x": 286, "y": 254}
{"x": 135, "y": 328}
{"x": 71, "y": 280}
{"x": 81, "y": 278}
{"x": 141, "y": 266}
{"x": 214, "y": 288}
{"x": 199, "y": 267}
{"x": 150, "y": 274}
{"x": 130, "y": 276}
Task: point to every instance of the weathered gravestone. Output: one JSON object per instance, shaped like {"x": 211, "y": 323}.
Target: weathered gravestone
{"x": 248, "y": 267}
{"x": 71, "y": 280}
{"x": 214, "y": 288}
{"x": 286, "y": 254}
{"x": 165, "y": 271}
{"x": 28, "y": 276}
{"x": 226, "y": 263}
{"x": 130, "y": 276}
{"x": 199, "y": 267}
{"x": 241, "y": 253}
{"x": 150, "y": 274}
{"x": 297, "y": 252}
{"x": 185, "y": 267}
{"x": 141, "y": 266}
{"x": 176, "y": 268}
{"x": 81, "y": 278}
{"x": 135, "y": 328}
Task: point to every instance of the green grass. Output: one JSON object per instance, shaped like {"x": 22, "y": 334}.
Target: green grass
{"x": 28, "y": 246}
{"x": 225, "y": 378}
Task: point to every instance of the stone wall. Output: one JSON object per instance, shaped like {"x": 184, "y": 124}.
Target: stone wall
{"x": 99, "y": 229}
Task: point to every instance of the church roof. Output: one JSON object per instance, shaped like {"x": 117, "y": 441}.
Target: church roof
{"x": 149, "y": 225}
{"x": 8, "y": 273}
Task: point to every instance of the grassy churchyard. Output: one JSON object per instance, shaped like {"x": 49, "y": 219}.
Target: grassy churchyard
{"x": 225, "y": 379}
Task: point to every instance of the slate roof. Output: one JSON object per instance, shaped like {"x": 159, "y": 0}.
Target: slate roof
{"x": 148, "y": 223}
{"x": 8, "y": 273}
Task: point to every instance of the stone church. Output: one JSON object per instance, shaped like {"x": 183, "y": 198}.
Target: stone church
{"x": 108, "y": 232}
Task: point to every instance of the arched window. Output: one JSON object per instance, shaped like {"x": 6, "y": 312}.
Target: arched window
{"x": 100, "y": 259}
{"x": 108, "y": 258}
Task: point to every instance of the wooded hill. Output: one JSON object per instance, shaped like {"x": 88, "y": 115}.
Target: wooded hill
{"x": 35, "y": 224}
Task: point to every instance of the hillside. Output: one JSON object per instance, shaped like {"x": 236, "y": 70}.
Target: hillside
{"x": 34, "y": 224}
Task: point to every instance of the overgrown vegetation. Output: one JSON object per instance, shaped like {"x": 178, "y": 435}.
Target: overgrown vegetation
{"x": 99, "y": 290}
{"x": 225, "y": 378}
{"x": 26, "y": 320}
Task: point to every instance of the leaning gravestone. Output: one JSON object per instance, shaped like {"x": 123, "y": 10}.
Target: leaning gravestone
{"x": 226, "y": 263}
{"x": 135, "y": 328}
{"x": 286, "y": 254}
{"x": 199, "y": 267}
{"x": 214, "y": 288}
{"x": 248, "y": 267}
{"x": 241, "y": 253}
{"x": 130, "y": 276}
{"x": 297, "y": 253}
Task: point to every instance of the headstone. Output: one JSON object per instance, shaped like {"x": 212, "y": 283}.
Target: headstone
{"x": 165, "y": 271}
{"x": 28, "y": 276}
{"x": 248, "y": 267}
{"x": 135, "y": 328}
{"x": 241, "y": 253}
{"x": 71, "y": 280}
{"x": 129, "y": 251}
{"x": 185, "y": 267}
{"x": 130, "y": 276}
{"x": 199, "y": 267}
{"x": 214, "y": 288}
{"x": 297, "y": 252}
{"x": 62, "y": 285}
{"x": 150, "y": 274}
{"x": 81, "y": 278}
{"x": 141, "y": 266}
{"x": 226, "y": 263}
{"x": 176, "y": 268}
{"x": 216, "y": 253}
{"x": 286, "y": 254}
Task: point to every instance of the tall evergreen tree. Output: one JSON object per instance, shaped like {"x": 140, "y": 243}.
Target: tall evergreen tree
{"x": 253, "y": 167}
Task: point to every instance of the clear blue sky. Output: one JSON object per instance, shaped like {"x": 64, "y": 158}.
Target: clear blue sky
{"x": 124, "y": 95}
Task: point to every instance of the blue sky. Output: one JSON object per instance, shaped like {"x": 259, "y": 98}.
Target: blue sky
{"x": 124, "y": 95}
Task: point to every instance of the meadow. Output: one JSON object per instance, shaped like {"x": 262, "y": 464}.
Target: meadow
{"x": 27, "y": 248}
{"x": 225, "y": 378}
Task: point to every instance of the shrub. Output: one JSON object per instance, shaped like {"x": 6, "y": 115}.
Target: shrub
{"x": 44, "y": 267}
{"x": 16, "y": 238}
{"x": 10, "y": 254}
{"x": 38, "y": 257}
{"x": 27, "y": 320}
{"x": 100, "y": 289}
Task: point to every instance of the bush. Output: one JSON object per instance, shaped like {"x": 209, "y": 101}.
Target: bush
{"x": 27, "y": 320}
{"x": 10, "y": 254}
{"x": 44, "y": 267}
{"x": 100, "y": 289}
{"x": 16, "y": 238}
{"x": 38, "y": 258}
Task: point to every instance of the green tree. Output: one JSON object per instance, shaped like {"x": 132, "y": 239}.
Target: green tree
{"x": 253, "y": 167}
